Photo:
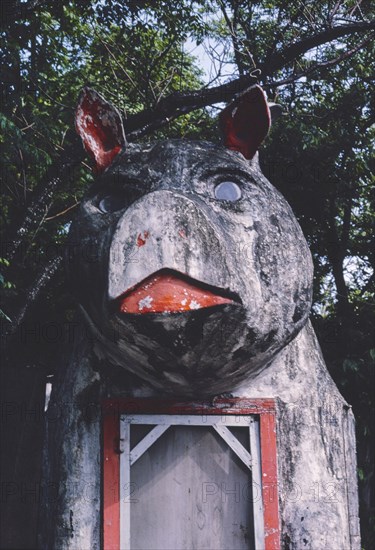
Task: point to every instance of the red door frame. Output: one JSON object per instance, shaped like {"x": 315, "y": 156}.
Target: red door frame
{"x": 114, "y": 408}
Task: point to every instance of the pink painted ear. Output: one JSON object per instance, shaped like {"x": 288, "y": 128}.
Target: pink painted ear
{"x": 245, "y": 123}
{"x": 100, "y": 126}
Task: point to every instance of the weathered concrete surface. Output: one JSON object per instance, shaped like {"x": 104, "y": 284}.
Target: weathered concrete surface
{"x": 155, "y": 209}
{"x": 70, "y": 512}
{"x": 316, "y": 450}
{"x": 252, "y": 248}
{"x": 315, "y": 435}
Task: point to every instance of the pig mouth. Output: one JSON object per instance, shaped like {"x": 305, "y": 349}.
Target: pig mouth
{"x": 169, "y": 291}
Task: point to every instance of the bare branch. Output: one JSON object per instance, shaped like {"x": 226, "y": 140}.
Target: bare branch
{"x": 32, "y": 293}
{"x": 181, "y": 103}
{"x": 319, "y": 66}
{"x": 279, "y": 59}
{"x": 334, "y": 11}
{"x": 63, "y": 212}
{"x": 116, "y": 61}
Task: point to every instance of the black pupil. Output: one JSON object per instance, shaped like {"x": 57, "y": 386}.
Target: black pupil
{"x": 228, "y": 191}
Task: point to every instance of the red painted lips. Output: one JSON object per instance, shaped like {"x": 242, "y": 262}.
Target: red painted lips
{"x": 168, "y": 292}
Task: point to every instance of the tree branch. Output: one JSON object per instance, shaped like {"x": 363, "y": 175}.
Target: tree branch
{"x": 279, "y": 59}
{"x": 232, "y": 26}
{"x": 43, "y": 194}
{"x": 32, "y": 293}
{"x": 180, "y": 103}
{"x": 63, "y": 212}
{"x": 319, "y": 66}
{"x": 168, "y": 109}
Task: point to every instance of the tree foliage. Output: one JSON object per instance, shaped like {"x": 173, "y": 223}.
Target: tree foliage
{"x": 313, "y": 58}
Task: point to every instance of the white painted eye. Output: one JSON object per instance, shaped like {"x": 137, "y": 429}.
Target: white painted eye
{"x": 112, "y": 203}
{"x": 228, "y": 191}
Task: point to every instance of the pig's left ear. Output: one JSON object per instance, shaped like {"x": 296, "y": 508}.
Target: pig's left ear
{"x": 246, "y": 121}
{"x": 100, "y": 126}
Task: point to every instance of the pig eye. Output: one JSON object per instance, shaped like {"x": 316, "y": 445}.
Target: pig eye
{"x": 112, "y": 203}
{"x": 228, "y": 191}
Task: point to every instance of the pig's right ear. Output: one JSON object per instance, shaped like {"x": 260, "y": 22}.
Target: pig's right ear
{"x": 246, "y": 121}
{"x": 100, "y": 126}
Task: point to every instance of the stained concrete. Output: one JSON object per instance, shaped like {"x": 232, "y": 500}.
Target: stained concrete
{"x": 261, "y": 345}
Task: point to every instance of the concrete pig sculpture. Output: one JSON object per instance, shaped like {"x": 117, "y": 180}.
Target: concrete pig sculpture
{"x": 195, "y": 279}
{"x": 198, "y": 258}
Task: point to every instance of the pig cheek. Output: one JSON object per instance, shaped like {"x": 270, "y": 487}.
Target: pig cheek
{"x": 246, "y": 277}
{"x": 261, "y": 296}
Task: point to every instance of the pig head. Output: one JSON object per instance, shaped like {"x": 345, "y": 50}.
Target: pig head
{"x": 190, "y": 267}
